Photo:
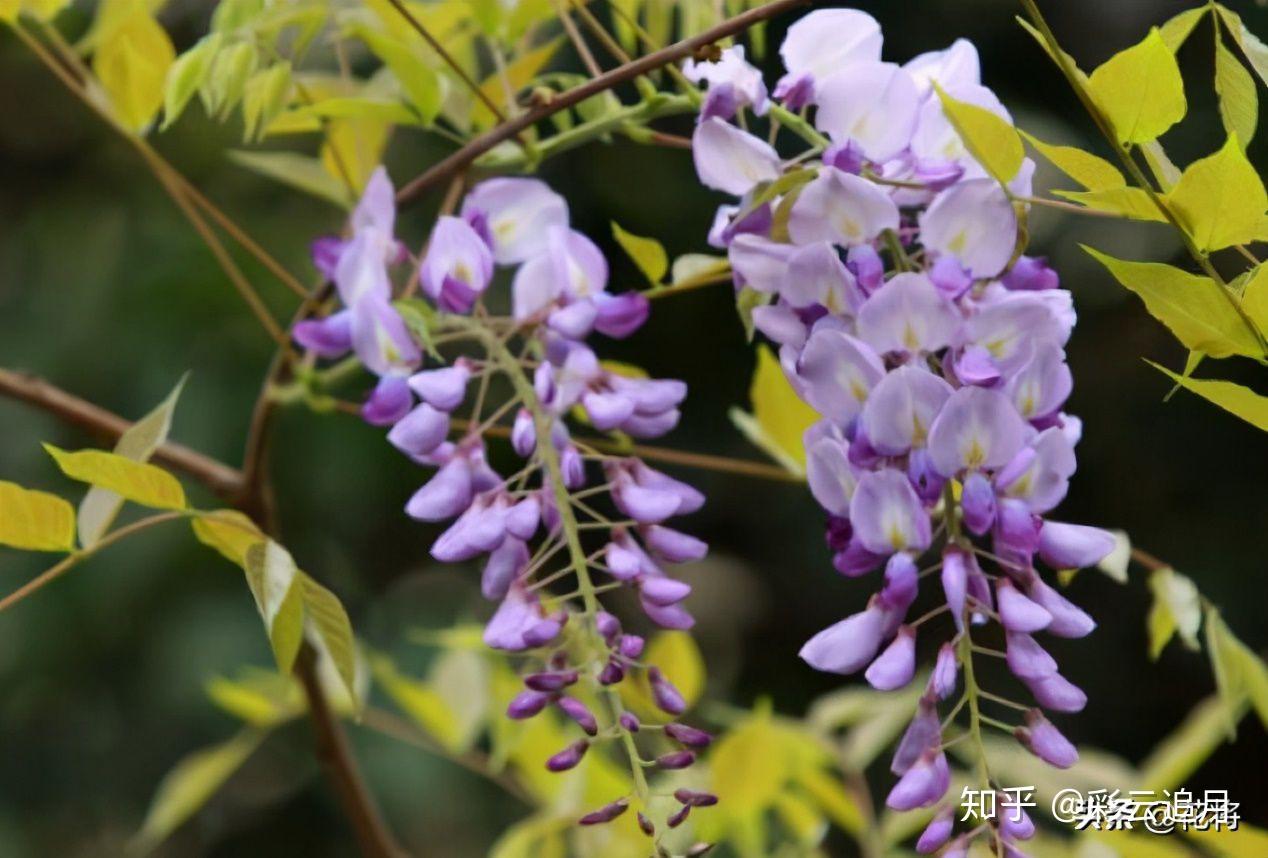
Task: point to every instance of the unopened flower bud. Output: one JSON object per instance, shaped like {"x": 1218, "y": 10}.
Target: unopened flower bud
{"x": 676, "y": 760}
{"x": 680, "y": 817}
{"x": 631, "y": 646}
{"x": 577, "y": 711}
{"x": 611, "y": 674}
{"x": 607, "y": 813}
{"x": 694, "y": 798}
{"x": 1046, "y": 742}
{"x": 568, "y": 757}
{"x": 667, "y": 697}
{"x": 646, "y": 825}
{"x": 526, "y": 704}
{"x": 689, "y": 736}
{"x": 550, "y": 681}
{"x": 630, "y": 722}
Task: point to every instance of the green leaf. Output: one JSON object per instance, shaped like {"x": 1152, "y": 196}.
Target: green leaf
{"x": 191, "y": 783}
{"x": 419, "y": 316}
{"x": 35, "y": 521}
{"x": 138, "y": 482}
{"x": 1177, "y": 30}
{"x": 518, "y": 74}
{"x": 1191, "y": 306}
{"x": 1238, "y": 98}
{"x": 1255, "y": 297}
{"x": 648, "y": 253}
{"x": 780, "y": 418}
{"x": 227, "y": 82}
{"x": 418, "y": 81}
{"x": 301, "y": 172}
{"x": 422, "y": 703}
{"x": 330, "y": 630}
{"x": 229, "y": 532}
{"x": 1132, "y": 203}
{"x": 461, "y": 678}
{"x": 1227, "y": 662}
{"x": 1233, "y": 398}
{"x": 99, "y": 507}
{"x": 279, "y": 595}
{"x": 1255, "y": 50}
{"x": 264, "y": 97}
{"x": 1090, "y": 171}
{"x": 991, "y": 140}
{"x": 1180, "y": 754}
{"x": 1220, "y": 199}
{"x": 131, "y": 63}
{"x": 1177, "y": 607}
{"x": 260, "y": 698}
{"x": 1140, "y": 90}
{"x": 186, "y": 76}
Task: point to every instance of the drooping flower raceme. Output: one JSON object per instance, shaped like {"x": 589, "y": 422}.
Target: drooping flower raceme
{"x": 888, "y": 271}
{"x": 538, "y": 525}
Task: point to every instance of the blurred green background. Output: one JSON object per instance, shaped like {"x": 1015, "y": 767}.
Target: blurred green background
{"x": 105, "y": 290}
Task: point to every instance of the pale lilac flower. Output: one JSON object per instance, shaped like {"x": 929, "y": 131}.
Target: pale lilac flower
{"x": 937, "y": 832}
{"x": 908, "y": 315}
{"x": 733, "y": 83}
{"x": 951, "y": 68}
{"x": 731, "y": 160}
{"x": 838, "y": 372}
{"x": 887, "y": 515}
{"x": 841, "y": 208}
{"x": 826, "y": 41}
{"x": 1073, "y": 546}
{"x": 974, "y": 222}
{"x": 903, "y": 409}
{"x": 976, "y": 429}
{"x": 1046, "y": 742}
{"x": 896, "y": 665}
{"x": 872, "y": 105}
{"x": 517, "y": 214}
{"x": 923, "y": 784}
{"x": 848, "y": 645}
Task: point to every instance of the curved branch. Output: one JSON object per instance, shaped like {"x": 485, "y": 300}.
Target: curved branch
{"x": 617, "y": 76}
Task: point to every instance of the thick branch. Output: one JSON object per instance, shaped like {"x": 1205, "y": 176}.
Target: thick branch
{"x": 617, "y": 76}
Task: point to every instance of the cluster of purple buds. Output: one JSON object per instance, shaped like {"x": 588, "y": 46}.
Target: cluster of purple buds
{"x": 519, "y": 525}
{"x": 891, "y": 279}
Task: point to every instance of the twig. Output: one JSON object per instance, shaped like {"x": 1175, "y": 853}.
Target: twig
{"x": 478, "y": 146}
{"x": 579, "y": 43}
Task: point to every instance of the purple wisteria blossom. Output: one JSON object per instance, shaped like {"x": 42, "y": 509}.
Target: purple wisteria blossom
{"x": 524, "y": 530}
{"x": 892, "y": 281}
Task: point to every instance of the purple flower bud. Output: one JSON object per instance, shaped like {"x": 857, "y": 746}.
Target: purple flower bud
{"x": 577, "y": 711}
{"x": 524, "y": 434}
{"x": 848, "y": 645}
{"x": 668, "y": 616}
{"x": 795, "y": 91}
{"x": 896, "y": 665}
{"x": 901, "y": 582}
{"x": 664, "y": 591}
{"x": 609, "y": 626}
{"x": 700, "y": 849}
{"x": 621, "y": 315}
{"x": 1016, "y": 528}
{"x": 855, "y": 560}
{"x": 950, "y": 278}
{"x": 1046, "y": 742}
{"x": 1015, "y": 824}
{"x": 1057, "y": 693}
{"x": 630, "y": 722}
{"x": 505, "y": 564}
{"x": 444, "y": 388}
{"x": 676, "y": 760}
{"x": 1027, "y": 659}
{"x": 389, "y": 402}
{"x": 607, "y": 813}
{"x": 923, "y": 785}
{"x": 569, "y": 757}
{"x": 923, "y": 734}
{"x": 646, "y": 825}
{"x": 689, "y": 736}
{"x": 326, "y": 252}
{"x": 695, "y": 799}
{"x": 977, "y": 502}
{"x": 668, "y": 698}
{"x": 1031, "y": 273}
{"x": 945, "y": 670}
{"x": 673, "y": 545}
{"x": 611, "y": 674}
{"x": 679, "y": 817}
{"x": 867, "y": 266}
{"x": 573, "y": 467}
{"x": 330, "y": 337}
{"x": 1018, "y": 613}
{"x": 548, "y": 682}
{"x": 526, "y": 704}
{"x": 937, "y": 833}
{"x": 523, "y": 518}
{"x": 955, "y": 584}
{"x": 631, "y": 646}
{"x": 542, "y": 633}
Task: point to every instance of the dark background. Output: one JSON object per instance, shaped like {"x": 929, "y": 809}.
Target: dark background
{"x": 105, "y": 290}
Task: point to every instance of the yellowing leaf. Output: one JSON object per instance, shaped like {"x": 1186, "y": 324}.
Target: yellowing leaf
{"x": 261, "y": 698}
{"x": 1177, "y": 30}
{"x": 298, "y": 171}
{"x": 1220, "y": 199}
{"x": 229, "y": 532}
{"x": 748, "y": 767}
{"x": 1238, "y": 98}
{"x": 100, "y": 505}
{"x": 419, "y": 82}
{"x": 1180, "y": 754}
{"x": 279, "y": 596}
{"x": 186, "y": 76}
{"x": 138, "y": 482}
{"x": 648, "y": 253}
{"x": 35, "y": 521}
{"x": 191, "y": 783}
{"x": 230, "y": 71}
{"x": 1132, "y": 203}
{"x": 264, "y": 97}
{"x": 422, "y": 703}
{"x": 519, "y": 74}
{"x": 353, "y": 149}
{"x": 678, "y": 657}
{"x": 330, "y": 630}
{"x": 1255, "y": 297}
{"x": 1233, "y": 398}
{"x": 1140, "y": 90}
{"x": 1191, "y": 306}
{"x": 1176, "y": 607}
{"x": 1228, "y": 664}
{"x": 989, "y": 138}
{"x": 780, "y": 418}
{"x": 132, "y": 63}
{"x": 1090, "y": 171}
{"x": 1255, "y": 50}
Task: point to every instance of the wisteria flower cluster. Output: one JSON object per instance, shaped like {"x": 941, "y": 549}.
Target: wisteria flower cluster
{"x": 576, "y": 653}
{"x": 886, "y": 264}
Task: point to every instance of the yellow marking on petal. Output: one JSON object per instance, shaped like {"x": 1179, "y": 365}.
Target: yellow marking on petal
{"x": 897, "y": 538}
{"x": 462, "y": 272}
{"x": 957, "y": 244}
{"x": 849, "y": 227}
{"x": 910, "y": 338}
{"x": 857, "y": 390}
{"x": 975, "y": 455}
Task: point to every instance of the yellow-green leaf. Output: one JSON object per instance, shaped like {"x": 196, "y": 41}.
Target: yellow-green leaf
{"x": 1140, "y": 90}
{"x": 279, "y": 595}
{"x": 780, "y": 418}
{"x": 35, "y": 521}
{"x": 518, "y": 74}
{"x": 1092, "y": 172}
{"x": 265, "y": 96}
{"x": 132, "y": 62}
{"x": 647, "y": 253}
{"x": 991, "y": 140}
{"x": 748, "y": 767}
{"x": 1177, "y": 30}
{"x": 229, "y": 532}
{"x": 1177, "y": 607}
{"x": 261, "y": 698}
{"x": 1180, "y": 754}
{"x": 678, "y": 657}
{"x": 1255, "y": 50}
{"x": 330, "y": 630}
{"x": 1233, "y": 398}
{"x": 1220, "y": 199}
{"x": 1238, "y": 98}
{"x": 420, "y": 84}
{"x": 1131, "y": 203}
{"x": 1192, "y": 307}
{"x": 230, "y": 71}
{"x": 298, "y": 171}
{"x": 99, "y": 507}
{"x": 186, "y": 76}
{"x": 422, "y": 703}
{"x": 1228, "y": 665}
{"x": 138, "y": 482}
{"x": 191, "y": 783}
{"x": 1255, "y": 297}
